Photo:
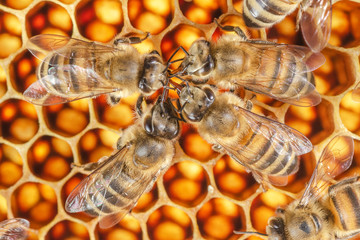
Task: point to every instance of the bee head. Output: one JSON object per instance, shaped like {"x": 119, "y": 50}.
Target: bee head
{"x": 196, "y": 102}
{"x": 162, "y": 121}
{"x": 199, "y": 61}
{"x": 276, "y": 229}
{"x": 153, "y": 75}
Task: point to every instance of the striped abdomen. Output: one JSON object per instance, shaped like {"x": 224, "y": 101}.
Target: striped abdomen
{"x": 258, "y": 152}
{"x": 288, "y": 78}
{"x": 345, "y": 199}
{"x": 69, "y": 72}
{"x": 265, "y": 13}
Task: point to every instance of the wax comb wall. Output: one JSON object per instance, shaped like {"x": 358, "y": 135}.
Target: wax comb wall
{"x": 204, "y": 194}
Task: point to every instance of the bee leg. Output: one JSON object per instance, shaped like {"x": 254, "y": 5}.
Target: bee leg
{"x": 89, "y": 167}
{"x": 237, "y": 30}
{"x": 138, "y": 105}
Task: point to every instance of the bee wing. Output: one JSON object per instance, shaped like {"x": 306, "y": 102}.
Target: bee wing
{"x": 316, "y": 24}
{"x": 288, "y": 58}
{"x": 43, "y": 44}
{"x": 277, "y": 133}
{"x": 334, "y": 160}
{"x": 14, "y": 229}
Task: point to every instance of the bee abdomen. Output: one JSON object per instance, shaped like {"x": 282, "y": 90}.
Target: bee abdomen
{"x": 345, "y": 199}
{"x": 265, "y": 13}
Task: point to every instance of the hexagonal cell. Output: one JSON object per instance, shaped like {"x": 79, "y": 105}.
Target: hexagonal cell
{"x": 219, "y": 218}
{"x": 67, "y": 188}
{"x": 316, "y": 123}
{"x": 127, "y": 228}
{"x": 147, "y": 200}
{"x": 182, "y": 35}
{"x": 67, "y": 119}
{"x": 233, "y": 180}
{"x": 194, "y": 145}
{"x": 336, "y": 75}
{"x": 186, "y": 183}
{"x": 16, "y": 4}
{"x": 22, "y": 71}
{"x": 118, "y": 116}
{"x": 19, "y": 121}
{"x": 168, "y": 222}
{"x": 203, "y": 12}
{"x": 264, "y": 206}
{"x": 96, "y": 144}
{"x": 50, "y": 158}
{"x": 10, "y": 166}
{"x": 10, "y": 34}
{"x": 3, "y": 208}
{"x": 345, "y": 22}
{"x": 350, "y": 113}
{"x": 36, "y": 202}
{"x": 3, "y": 85}
{"x": 67, "y": 230}
{"x": 99, "y": 20}
{"x": 49, "y": 18}
{"x": 159, "y": 13}
{"x": 67, "y": 1}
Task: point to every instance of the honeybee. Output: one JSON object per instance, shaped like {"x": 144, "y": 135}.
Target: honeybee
{"x": 266, "y": 147}
{"x": 73, "y": 69}
{"x": 144, "y": 152}
{"x": 314, "y": 17}
{"x": 324, "y": 211}
{"x": 280, "y": 71}
{"x": 14, "y": 229}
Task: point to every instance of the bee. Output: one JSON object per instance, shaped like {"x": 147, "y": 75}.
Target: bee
{"x": 326, "y": 210}
{"x": 314, "y": 17}
{"x": 14, "y": 229}
{"x": 280, "y": 71}
{"x": 73, "y": 69}
{"x": 144, "y": 152}
{"x": 266, "y": 147}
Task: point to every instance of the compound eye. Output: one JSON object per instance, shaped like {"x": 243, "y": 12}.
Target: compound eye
{"x": 210, "y": 96}
{"x": 148, "y": 126}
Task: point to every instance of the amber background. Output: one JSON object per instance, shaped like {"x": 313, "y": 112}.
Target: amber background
{"x": 203, "y": 195}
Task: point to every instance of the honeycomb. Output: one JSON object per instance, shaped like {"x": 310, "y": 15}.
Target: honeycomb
{"x": 203, "y": 195}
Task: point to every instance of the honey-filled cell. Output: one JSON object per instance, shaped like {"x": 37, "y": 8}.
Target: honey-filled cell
{"x": 336, "y": 75}
{"x": 194, "y": 145}
{"x": 16, "y": 4}
{"x": 99, "y": 20}
{"x": 96, "y": 144}
{"x": 316, "y": 123}
{"x": 350, "y": 113}
{"x": 219, "y": 218}
{"x": 186, "y": 183}
{"x": 264, "y": 206}
{"x": 35, "y": 202}
{"x": 11, "y": 165}
{"x": 48, "y": 18}
{"x": 182, "y": 35}
{"x": 127, "y": 228}
{"x": 3, "y": 85}
{"x": 67, "y": 230}
{"x": 19, "y": 121}
{"x": 49, "y": 158}
{"x": 147, "y": 200}
{"x": 67, "y": 188}
{"x": 3, "y": 208}
{"x": 170, "y": 223}
{"x": 119, "y": 116}
{"x": 345, "y": 22}
{"x": 22, "y": 71}
{"x": 233, "y": 180}
{"x": 158, "y": 12}
{"x": 10, "y": 34}
{"x": 203, "y": 12}
{"x": 67, "y": 119}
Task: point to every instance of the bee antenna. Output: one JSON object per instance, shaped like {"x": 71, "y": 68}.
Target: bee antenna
{"x": 138, "y": 105}
{"x": 252, "y": 233}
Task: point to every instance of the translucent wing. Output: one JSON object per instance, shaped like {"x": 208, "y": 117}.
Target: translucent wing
{"x": 284, "y": 73}
{"x": 14, "y": 229}
{"x": 68, "y": 70}
{"x": 334, "y": 160}
{"x": 277, "y": 133}
{"x": 316, "y": 24}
